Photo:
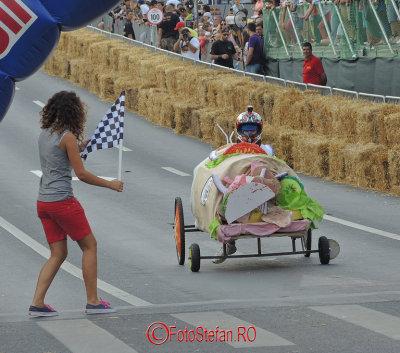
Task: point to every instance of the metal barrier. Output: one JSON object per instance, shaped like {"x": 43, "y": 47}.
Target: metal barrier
{"x": 392, "y": 100}
{"x": 344, "y": 93}
{"x": 372, "y": 97}
{"x": 255, "y": 77}
{"x": 324, "y": 90}
{"x": 298, "y": 85}
{"x": 275, "y": 80}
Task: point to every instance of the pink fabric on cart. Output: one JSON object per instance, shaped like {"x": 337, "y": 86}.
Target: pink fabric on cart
{"x": 259, "y": 229}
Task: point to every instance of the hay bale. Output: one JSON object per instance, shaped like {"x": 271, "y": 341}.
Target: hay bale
{"x": 285, "y": 144}
{"x": 210, "y": 90}
{"x": 366, "y": 166}
{"x": 183, "y": 116}
{"x": 98, "y": 52}
{"x": 286, "y": 109}
{"x": 322, "y": 113}
{"x": 311, "y": 155}
{"x": 167, "y": 110}
{"x": 346, "y": 114}
{"x": 371, "y": 122}
{"x": 106, "y": 86}
{"x": 149, "y": 102}
{"x": 171, "y": 73}
{"x": 116, "y": 53}
{"x": 204, "y": 123}
{"x": 337, "y": 170}
{"x": 77, "y": 66}
{"x": 392, "y": 128}
{"x": 58, "y": 65}
{"x": 124, "y": 84}
{"x": 268, "y": 106}
{"x": 394, "y": 169}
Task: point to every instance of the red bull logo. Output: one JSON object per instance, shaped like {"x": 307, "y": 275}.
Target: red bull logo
{"x": 16, "y": 18}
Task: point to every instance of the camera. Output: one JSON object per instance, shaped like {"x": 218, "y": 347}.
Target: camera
{"x": 186, "y": 34}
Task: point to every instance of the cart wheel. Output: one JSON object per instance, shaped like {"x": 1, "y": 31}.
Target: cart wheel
{"x": 324, "y": 251}
{"x": 306, "y": 242}
{"x": 194, "y": 257}
{"x": 179, "y": 228}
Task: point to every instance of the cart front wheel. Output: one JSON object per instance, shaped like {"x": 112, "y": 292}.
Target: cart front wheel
{"x": 179, "y": 228}
{"x": 194, "y": 257}
{"x": 324, "y": 251}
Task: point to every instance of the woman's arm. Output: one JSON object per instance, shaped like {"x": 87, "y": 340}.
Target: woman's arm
{"x": 69, "y": 144}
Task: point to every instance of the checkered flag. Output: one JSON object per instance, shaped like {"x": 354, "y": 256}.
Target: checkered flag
{"x": 110, "y": 129}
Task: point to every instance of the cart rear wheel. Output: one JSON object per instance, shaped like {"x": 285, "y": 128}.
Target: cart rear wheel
{"x": 307, "y": 243}
{"x": 179, "y": 228}
{"x": 194, "y": 257}
{"x": 324, "y": 251}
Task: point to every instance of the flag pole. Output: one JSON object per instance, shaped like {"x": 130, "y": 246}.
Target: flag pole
{"x": 120, "y": 159}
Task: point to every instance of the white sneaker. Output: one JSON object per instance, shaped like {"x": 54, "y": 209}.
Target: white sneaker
{"x": 230, "y": 250}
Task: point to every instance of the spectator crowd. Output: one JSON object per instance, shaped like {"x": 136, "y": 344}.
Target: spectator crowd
{"x": 214, "y": 38}
{"x": 208, "y": 37}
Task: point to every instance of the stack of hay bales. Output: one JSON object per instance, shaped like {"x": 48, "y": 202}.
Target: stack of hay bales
{"x": 350, "y": 141}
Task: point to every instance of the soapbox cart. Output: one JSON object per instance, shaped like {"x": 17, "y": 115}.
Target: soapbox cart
{"x": 243, "y": 210}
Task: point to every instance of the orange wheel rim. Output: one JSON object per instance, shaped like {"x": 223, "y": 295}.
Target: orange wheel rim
{"x": 177, "y": 232}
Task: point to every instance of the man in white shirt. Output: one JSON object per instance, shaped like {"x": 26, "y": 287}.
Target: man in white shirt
{"x": 187, "y": 45}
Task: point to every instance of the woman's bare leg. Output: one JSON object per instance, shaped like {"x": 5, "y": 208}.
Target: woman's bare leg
{"x": 59, "y": 252}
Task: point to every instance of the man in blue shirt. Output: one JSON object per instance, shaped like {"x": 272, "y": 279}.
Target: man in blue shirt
{"x": 255, "y": 56}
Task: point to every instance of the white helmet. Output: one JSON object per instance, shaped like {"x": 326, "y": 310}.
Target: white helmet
{"x": 249, "y": 126}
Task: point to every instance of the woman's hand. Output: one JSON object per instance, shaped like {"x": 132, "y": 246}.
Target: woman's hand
{"x": 116, "y": 185}
{"x": 83, "y": 145}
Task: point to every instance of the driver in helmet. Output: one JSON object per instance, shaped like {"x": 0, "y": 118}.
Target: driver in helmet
{"x": 249, "y": 128}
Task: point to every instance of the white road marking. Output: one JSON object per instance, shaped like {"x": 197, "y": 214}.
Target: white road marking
{"x": 84, "y": 336}
{"x": 125, "y": 149}
{"x": 226, "y": 322}
{"x": 175, "y": 171}
{"x": 16, "y": 88}
{"x": 70, "y": 268}
{"x": 364, "y": 228}
{"x": 373, "y": 320}
{"x": 39, "y": 174}
{"x": 39, "y": 103}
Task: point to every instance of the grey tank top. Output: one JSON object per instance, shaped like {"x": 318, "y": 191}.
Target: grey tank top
{"x": 55, "y": 183}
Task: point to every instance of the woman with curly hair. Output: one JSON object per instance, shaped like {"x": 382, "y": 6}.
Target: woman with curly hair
{"x": 63, "y": 122}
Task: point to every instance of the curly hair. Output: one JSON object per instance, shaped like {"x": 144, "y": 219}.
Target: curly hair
{"x": 64, "y": 111}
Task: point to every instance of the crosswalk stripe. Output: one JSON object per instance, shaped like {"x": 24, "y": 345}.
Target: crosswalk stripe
{"x": 225, "y": 322}
{"x": 373, "y": 320}
{"x": 175, "y": 171}
{"x": 84, "y": 336}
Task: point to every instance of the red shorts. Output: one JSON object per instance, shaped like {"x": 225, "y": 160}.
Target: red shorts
{"x": 61, "y": 218}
